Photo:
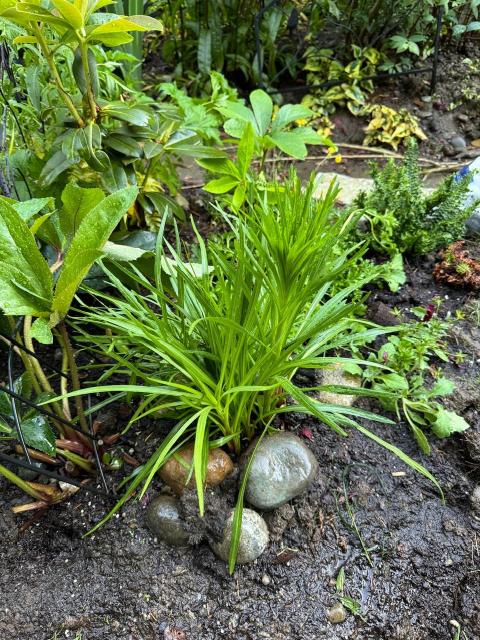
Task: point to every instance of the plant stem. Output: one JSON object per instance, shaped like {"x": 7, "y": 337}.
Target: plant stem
{"x": 88, "y": 80}
{"x": 21, "y": 484}
{"x": 56, "y": 76}
{"x": 74, "y": 375}
{"x": 39, "y": 372}
{"x": 64, "y": 379}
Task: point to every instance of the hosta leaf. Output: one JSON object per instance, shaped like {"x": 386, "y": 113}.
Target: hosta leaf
{"x": 39, "y": 435}
{"x": 88, "y": 243}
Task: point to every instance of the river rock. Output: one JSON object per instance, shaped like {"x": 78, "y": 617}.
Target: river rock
{"x": 337, "y": 614}
{"x": 283, "y": 467}
{"x": 458, "y": 143}
{"x": 175, "y": 474}
{"x": 164, "y": 520}
{"x": 475, "y": 499}
{"x": 337, "y": 376}
{"x": 253, "y": 538}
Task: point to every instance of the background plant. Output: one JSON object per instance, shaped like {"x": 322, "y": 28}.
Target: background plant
{"x": 409, "y": 354}
{"x": 206, "y": 35}
{"x": 402, "y": 218}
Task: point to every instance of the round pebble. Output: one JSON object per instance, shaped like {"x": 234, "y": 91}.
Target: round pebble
{"x": 164, "y": 520}
{"x": 337, "y": 614}
{"x": 283, "y": 467}
{"x": 253, "y": 538}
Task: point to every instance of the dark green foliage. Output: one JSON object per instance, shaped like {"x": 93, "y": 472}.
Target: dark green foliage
{"x": 403, "y": 219}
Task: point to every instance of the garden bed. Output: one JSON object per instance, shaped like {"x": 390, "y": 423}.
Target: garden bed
{"x": 424, "y": 555}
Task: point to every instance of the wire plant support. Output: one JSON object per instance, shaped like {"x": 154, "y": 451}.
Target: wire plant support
{"x": 16, "y": 399}
{"x": 430, "y": 69}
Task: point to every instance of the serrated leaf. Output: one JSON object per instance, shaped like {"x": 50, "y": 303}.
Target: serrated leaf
{"x": 442, "y": 387}
{"x": 448, "y": 422}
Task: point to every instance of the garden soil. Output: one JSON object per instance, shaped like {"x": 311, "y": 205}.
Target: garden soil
{"x": 411, "y": 563}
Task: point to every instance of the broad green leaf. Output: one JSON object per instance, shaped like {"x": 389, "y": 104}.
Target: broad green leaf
{"x": 442, "y": 387}
{"x": 25, "y": 279}
{"x": 289, "y": 143}
{"x": 77, "y": 202}
{"x": 124, "y": 112}
{"x": 421, "y": 438}
{"x": 39, "y": 434}
{"x": 29, "y": 208}
{"x": 448, "y": 422}
{"x": 221, "y": 185}
{"x": 288, "y": 114}
{"x": 126, "y": 24}
{"x": 113, "y": 39}
{"x": 395, "y": 381}
{"x": 262, "y": 106}
{"x": 70, "y": 12}
{"x": 36, "y": 13}
{"x": 239, "y": 196}
{"x": 41, "y": 331}
{"x": 246, "y": 148}
{"x": 55, "y": 165}
{"x": 204, "y": 51}
{"x": 122, "y": 252}
{"x": 88, "y": 243}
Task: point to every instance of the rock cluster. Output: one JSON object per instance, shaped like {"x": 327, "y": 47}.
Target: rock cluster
{"x": 283, "y": 467}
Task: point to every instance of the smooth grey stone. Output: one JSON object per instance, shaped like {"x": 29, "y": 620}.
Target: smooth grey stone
{"x": 164, "y": 520}
{"x": 475, "y": 499}
{"x": 458, "y": 143}
{"x": 283, "y": 467}
{"x": 473, "y": 223}
{"x": 253, "y": 538}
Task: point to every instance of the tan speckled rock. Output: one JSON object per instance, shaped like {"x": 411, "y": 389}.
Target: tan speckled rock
{"x": 337, "y": 376}
{"x": 253, "y": 538}
{"x": 175, "y": 474}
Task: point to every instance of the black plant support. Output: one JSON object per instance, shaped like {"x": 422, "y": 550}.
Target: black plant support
{"x": 15, "y": 397}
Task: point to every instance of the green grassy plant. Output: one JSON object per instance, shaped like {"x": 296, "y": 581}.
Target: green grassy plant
{"x": 216, "y": 343}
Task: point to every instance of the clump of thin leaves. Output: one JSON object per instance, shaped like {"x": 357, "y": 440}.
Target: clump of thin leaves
{"x": 216, "y": 343}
